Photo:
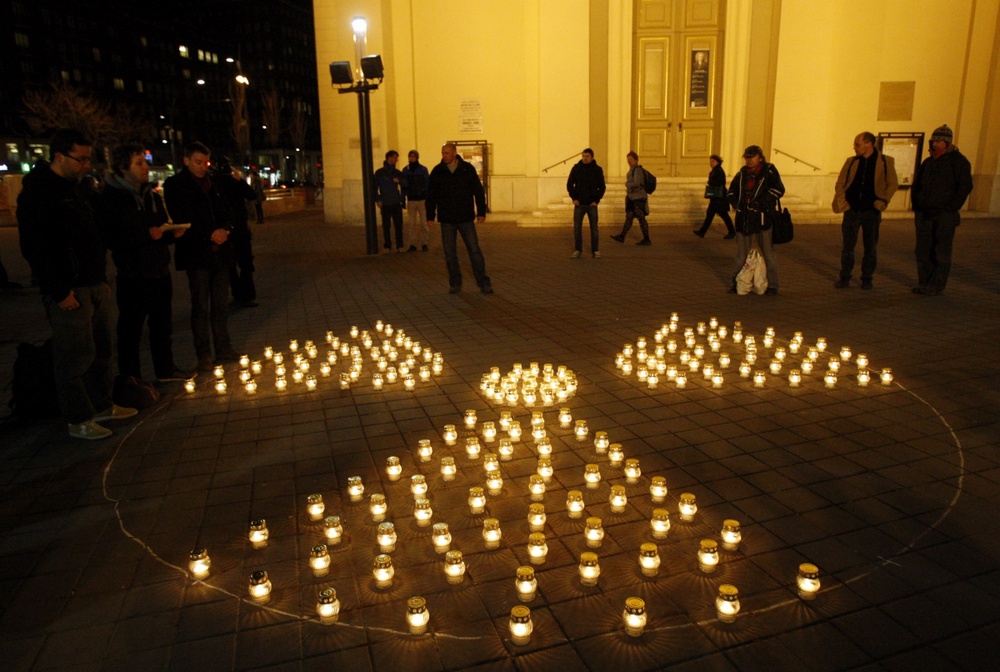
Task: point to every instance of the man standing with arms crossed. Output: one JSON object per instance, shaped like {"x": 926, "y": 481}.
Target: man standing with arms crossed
{"x": 62, "y": 244}
{"x": 864, "y": 188}
{"x": 456, "y": 198}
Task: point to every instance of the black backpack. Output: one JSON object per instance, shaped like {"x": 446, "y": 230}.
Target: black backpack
{"x": 649, "y": 183}
{"x": 34, "y": 386}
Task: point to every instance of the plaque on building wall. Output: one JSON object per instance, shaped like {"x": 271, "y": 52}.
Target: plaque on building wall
{"x": 895, "y": 101}
{"x": 699, "y": 86}
{"x": 470, "y": 118}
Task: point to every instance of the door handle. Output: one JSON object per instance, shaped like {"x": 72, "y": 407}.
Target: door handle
{"x": 680, "y": 126}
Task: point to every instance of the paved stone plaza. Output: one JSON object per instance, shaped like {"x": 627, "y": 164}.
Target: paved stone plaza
{"x": 891, "y": 491}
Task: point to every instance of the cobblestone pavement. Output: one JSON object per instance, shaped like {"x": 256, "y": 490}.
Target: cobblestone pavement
{"x": 890, "y": 490}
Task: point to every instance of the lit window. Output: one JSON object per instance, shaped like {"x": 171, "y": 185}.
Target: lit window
{"x": 119, "y": 83}
{"x": 215, "y": 58}
{"x": 142, "y": 41}
{"x": 21, "y": 40}
{"x": 183, "y": 51}
{"x": 97, "y": 55}
{"x": 138, "y": 85}
{"x": 64, "y": 74}
{"x": 201, "y": 55}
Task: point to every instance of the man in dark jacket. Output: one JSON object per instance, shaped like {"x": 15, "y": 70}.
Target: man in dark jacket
{"x": 389, "y": 199}
{"x": 131, "y": 215}
{"x": 237, "y": 193}
{"x": 455, "y": 198}
{"x": 753, "y": 193}
{"x": 204, "y": 252}
{"x": 586, "y": 187}
{"x": 62, "y": 244}
{"x": 940, "y": 187}
{"x": 415, "y": 177}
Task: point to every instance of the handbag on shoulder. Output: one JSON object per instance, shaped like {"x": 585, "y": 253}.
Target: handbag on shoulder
{"x": 782, "y": 229}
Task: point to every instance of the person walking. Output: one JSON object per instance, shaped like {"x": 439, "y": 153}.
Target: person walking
{"x": 754, "y": 192}
{"x": 636, "y": 200}
{"x": 415, "y": 177}
{"x": 61, "y": 242}
{"x": 237, "y": 193}
{"x": 389, "y": 199}
{"x": 456, "y": 199}
{"x": 257, "y": 185}
{"x": 131, "y": 215}
{"x": 718, "y": 201}
{"x": 586, "y": 187}
{"x": 204, "y": 252}
{"x": 940, "y": 187}
{"x": 866, "y": 184}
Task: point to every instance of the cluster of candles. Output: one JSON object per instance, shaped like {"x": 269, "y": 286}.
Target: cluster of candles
{"x": 698, "y": 351}
{"x": 526, "y": 584}
{"x": 396, "y": 357}
{"x": 545, "y": 385}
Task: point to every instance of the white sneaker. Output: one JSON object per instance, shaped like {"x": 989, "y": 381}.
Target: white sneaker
{"x": 89, "y": 430}
{"x": 597, "y": 255}
{"x": 575, "y": 255}
{"x": 400, "y": 250}
{"x": 116, "y": 412}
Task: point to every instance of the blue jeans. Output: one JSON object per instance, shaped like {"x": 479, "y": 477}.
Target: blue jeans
{"x": 868, "y": 222}
{"x": 210, "y": 300}
{"x": 81, "y": 352}
{"x": 935, "y": 234}
{"x": 578, "y": 213}
{"x": 449, "y": 240}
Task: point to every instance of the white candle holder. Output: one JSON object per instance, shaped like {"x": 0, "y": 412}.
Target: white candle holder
{"x": 807, "y": 582}
{"x": 199, "y": 564}
{"x": 574, "y": 504}
{"x": 634, "y": 616}
{"x": 708, "y": 556}
{"x": 589, "y": 569}
{"x": 386, "y": 537}
{"x": 520, "y": 625}
{"x": 660, "y": 523}
{"x": 259, "y": 587}
{"x": 687, "y": 507}
{"x": 328, "y": 606}
{"x": 727, "y": 604}
{"x": 593, "y": 533}
{"x": 319, "y": 560}
{"x": 731, "y": 535}
{"x": 454, "y": 567}
{"x": 492, "y": 533}
{"x": 649, "y": 559}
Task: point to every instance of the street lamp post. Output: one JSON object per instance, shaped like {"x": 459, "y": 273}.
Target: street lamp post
{"x": 343, "y": 75}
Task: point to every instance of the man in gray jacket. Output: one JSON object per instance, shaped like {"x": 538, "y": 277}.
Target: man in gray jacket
{"x": 864, "y": 188}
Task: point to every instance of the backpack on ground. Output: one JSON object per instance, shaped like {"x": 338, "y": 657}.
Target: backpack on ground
{"x": 649, "y": 182}
{"x": 34, "y": 384}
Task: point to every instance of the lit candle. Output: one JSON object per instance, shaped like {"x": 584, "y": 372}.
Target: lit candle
{"x": 807, "y": 582}
{"x": 830, "y": 379}
{"x": 565, "y": 418}
{"x": 470, "y": 419}
{"x": 345, "y": 381}
{"x": 259, "y": 587}
{"x": 634, "y": 616}
{"x": 687, "y": 507}
{"x": 821, "y": 344}
{"x": 580, "y": 430}
{"x": 220, "y": 386}
{"x": 727, "y": 604}
{"x": 492, "y": 533}
{"x": 259, "y": 533}
{"x": 494, "y": 482}
{"x": 477, "y": 500}
{"x": 298, "y": 376}
{"x": 244, "y": 375}
{"x": 806, "y": 366}
{"x": 845, "y": 353}
{"x": 328, "y": 606}
{"x": 454, "y": 567}
{"x": 574, "y": 504}
{"x": 378, "y": 507}
{"x": 707, "y": 371}
{"x": 311, "y": 382}
{"x": 472, "y": 447}
{"x": 515, "y": 430}
{"x": 717, "y": 380}
{"x": 536, "y": 486}
{"x": 775, "y": 366}
{"x": 594, "y": 532}
{"x": 489, "y": 431}
{"x": 886, "y": 376}
{"x": 355, "y": 488}
{"x": 199, "y": 563}
{"x": 657, "y": 489}
{"x": 319, "y": 560}
{"x": 632, "y": 470}
{"x": 506, "y": 450}
{"x": 589, "y": 568}
{"x": 418, "y": 485}
{"x": 333, "y": 530}
{"x": 441, "y": 537}
{"x": 794, "y": 378}
{"x": 219, "y": 371}
{"x": 592, "y": 476}
{"x": 649, "y": 559}
{"x": 833, "y": 364}
{"x": 759, "y": 378}
{"x": 617, "y": 499}
{"x": 660, "y": 523}
{"x": 616, "y": 455}
{"x": 520, "y": 625}
{"x": 268, "y": 352}
{"x": 448, "y": 468}
{"x": 422, "y": 512}
{"x": 708, "y": 556}
{"x": 537, "y": 548}
{"x": 386, "y": 537}
{"x": 731, "y": 535}
{"x": 450, "y": 435}
{"x": 544, "y": 469}
{"x": 383, "y": 571}
{"x": 315, "y": 506}
{"x": 681, "y": 380}
{"x": 490, "y": 462}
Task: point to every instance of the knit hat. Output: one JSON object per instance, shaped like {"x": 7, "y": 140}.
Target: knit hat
{"x": 943, "y": 133}
{"x": 753, "y": 150}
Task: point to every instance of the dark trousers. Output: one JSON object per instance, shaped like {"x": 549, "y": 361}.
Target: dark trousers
{"x": 578, "y": 212}
{"x": 241, "y": 272}
{"x": 140, "y": 299}
{"x": 935, "y": 234}
{"x": 81, "y": 352}
{"x": 867, "y": 221}
{"x": 744, "y": 244}
{"x": 392, "y": 218}
{"x": 635, "y": 209}
{"x": 210, "y": 301}
{"x": 258, "y": 206}
{"x": 720, "y": 207}
{"x": 449, "y": 240}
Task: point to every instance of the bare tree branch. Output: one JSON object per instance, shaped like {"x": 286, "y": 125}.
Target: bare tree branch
{"x": 271, "y": 106}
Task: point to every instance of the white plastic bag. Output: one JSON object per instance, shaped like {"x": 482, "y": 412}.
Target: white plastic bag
{"x": 753, "y": 275}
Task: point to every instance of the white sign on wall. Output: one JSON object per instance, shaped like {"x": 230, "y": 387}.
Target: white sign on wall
{"x": 470, "y": 116}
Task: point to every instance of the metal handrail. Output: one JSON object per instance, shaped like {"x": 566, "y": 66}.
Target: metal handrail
{"x": 568, "y": 158}
{"x": 795, "y": 159}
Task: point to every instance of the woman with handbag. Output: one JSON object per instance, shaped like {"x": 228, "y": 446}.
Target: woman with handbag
{"x": 754, "y": 193}
{"x": 718, "y": 203}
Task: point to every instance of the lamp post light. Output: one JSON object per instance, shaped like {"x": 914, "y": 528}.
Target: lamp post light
{"x": 369, "y": 75}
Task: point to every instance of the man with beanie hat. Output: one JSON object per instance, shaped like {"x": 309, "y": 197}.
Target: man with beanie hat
{"x": 940, "y": 187}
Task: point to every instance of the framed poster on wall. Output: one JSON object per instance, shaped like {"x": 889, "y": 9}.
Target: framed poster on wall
{"x": 906, "y": 149}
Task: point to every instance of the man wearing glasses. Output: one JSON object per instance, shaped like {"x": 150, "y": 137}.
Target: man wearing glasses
{"x": 61, "y": 242}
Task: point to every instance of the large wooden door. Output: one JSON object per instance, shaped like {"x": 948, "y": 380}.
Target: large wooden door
{"x": 677, "y": 63}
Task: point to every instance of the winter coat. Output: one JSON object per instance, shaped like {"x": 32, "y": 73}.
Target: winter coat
{"x": 187, "y": 202}
{"x": 126, "y": 214}
{"x": 388, "y": 185}
{"x": 751, "y": 205}
{"x": 455, "y": 197}
{"x": 586, "y": 183}
{"x": 886, "y": 182}
{"x": 415, "y": 178}
{"x": 942, "y": 183}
